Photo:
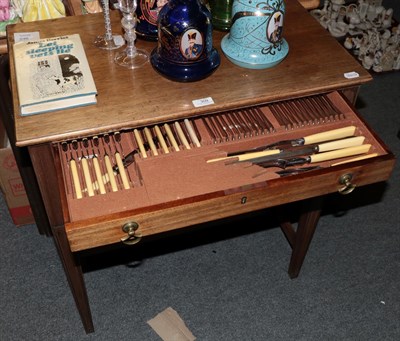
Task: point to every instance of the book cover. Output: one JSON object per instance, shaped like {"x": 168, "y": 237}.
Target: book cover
{"x": 53, "y": 74}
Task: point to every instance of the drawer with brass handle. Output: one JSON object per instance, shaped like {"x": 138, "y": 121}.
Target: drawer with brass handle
{"x": 152, "y": 179}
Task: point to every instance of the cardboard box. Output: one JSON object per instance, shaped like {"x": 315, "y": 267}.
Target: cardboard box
{"x": 11, "y": 184}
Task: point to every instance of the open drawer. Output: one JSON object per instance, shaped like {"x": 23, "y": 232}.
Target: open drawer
{"x": 177, "y": 174}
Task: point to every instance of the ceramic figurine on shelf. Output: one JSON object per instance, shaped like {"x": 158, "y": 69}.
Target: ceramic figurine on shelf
{"x": 91, "y": 6}
{"x": 40, "y": 10}
{"x": 255, "y": 40}
{"x": 4, "y": 10}
{"x": 365, "y": 27}
{"x": 387, "y": 18}
{"x": 184, "y": 51}
{"x": 10, "y": 13}
{"x": 338, "y": 27}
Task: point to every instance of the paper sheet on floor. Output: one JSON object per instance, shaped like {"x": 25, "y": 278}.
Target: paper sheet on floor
{"x": 170, "y": 327}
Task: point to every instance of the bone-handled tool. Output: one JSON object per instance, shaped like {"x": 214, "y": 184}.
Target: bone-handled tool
{"x": 86, "y": 173}
{"x": 181, "y": 135}
{"x": 260, "y": 156}
{"x": 315, "y": 158}
{"x": 97, "y": 170}
{"x": 192, "y": 133}
{"x": 247, "y": 156}
{"x": 75, "y": 176}
{"x": 308, "y": 150}
{"x": 363, "y": 157}
{"x": 140, "y": 143}
{"x": 150, "y": 141}
{"x": 171, "y": 137}
{"x": 161, "y": 139}
{"x": 118, "y": 159}
{"x": 340, "y": 153}
{"x": 328, "y": 135}
{"x": 109, "y": 168}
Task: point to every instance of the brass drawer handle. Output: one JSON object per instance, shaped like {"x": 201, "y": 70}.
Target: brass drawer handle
{"x": 348, "y": 186}
{"x": 133, "y": 237}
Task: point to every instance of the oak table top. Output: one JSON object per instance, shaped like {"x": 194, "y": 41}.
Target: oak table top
{"x": 129, "y": 98}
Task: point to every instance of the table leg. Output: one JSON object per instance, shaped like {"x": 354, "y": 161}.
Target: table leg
{"x": 73, "y": 271}
{"x": 300, "y": 238}
{"x": 44, "y": 164}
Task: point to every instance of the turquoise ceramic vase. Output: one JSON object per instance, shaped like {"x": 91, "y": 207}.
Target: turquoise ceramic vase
{"x": 255, "y": 40}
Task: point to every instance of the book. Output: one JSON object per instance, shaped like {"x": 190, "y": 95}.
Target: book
{"x": 53, "y": 74}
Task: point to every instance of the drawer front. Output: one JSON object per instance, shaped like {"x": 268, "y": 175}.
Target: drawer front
{"x": 153, "y": 220}
{"x": 165, "y": 186}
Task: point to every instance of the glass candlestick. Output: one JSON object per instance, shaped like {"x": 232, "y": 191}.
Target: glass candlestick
{"x": 131, "y": 57}
{"x": 106, "y": 41}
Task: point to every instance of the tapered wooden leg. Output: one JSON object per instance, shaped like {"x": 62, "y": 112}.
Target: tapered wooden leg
{"x": 44, "y": 163}
{"x": 74, "y": 275}
{"x": 300, "y": 238}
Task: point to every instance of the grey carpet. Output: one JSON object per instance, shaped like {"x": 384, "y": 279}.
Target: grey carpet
{"x": 228, "y": 282}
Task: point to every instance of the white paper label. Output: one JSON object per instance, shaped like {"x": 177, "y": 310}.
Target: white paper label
{"x": 118, "y": 40}
{"x": 26, "y": 36}
{"x": 202, "y": 102}
{"x": 351, "y": 75}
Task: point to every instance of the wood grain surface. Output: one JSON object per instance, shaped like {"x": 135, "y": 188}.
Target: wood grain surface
{"x": 128, "y": 98}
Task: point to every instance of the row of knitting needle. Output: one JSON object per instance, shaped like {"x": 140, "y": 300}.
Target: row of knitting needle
{"x": 305, "y": 111}
{"x": 90, "y": 164}
{"x": 233, "y": 125}
{"x": 161, "y": 139}
{"x": 181, "y": 135}
{"x": 178, "y": 135}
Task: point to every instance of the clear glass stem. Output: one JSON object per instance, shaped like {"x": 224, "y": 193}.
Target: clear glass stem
{"x": 131, "y": 57}
{"x": 106, "y": 41}
{"x": 129, "y": 24}
{"x": 107, "y": 22}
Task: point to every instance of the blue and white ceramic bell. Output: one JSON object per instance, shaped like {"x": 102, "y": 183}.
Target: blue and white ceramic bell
{"x": 255, "y": 39}
{"x": 184, "y": 50}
